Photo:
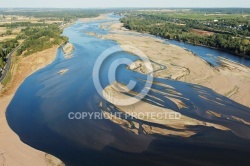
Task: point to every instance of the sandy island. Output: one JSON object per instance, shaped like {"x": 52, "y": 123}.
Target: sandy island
{"x": 91, "y": 19}
{"x": 231, "y": 80}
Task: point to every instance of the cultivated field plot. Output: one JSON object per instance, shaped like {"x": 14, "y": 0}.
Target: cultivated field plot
{"x": 202, "y": 32}
{"x": 2, "y": 30}
{"x": 7, "y": 37}
{"x": 17, "y": 30}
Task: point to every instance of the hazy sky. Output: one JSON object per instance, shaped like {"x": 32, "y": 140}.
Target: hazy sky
{"x": 123, "y": 3}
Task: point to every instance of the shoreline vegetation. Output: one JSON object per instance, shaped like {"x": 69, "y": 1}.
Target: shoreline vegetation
{"x": 224, "y": 50}
{"x": 215, "y": 48}
{"x": 226, "y": 33}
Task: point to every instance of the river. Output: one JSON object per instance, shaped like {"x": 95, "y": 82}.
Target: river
{"x": 39, "y": 112}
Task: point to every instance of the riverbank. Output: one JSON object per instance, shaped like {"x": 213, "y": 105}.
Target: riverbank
{"x": 220, "y": 49}
{"x": 230, "y": 80}
{"x": 12, "y": 150}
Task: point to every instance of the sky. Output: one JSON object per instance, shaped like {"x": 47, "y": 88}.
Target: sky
{"x": 122, "y": 3}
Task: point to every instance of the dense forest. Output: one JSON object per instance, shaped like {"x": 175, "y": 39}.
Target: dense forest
{"x": 226, "y": 32}
{"x": 39, "y": 38}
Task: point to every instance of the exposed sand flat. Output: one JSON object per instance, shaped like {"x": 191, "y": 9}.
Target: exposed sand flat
{"x": 13, "y": 152}
{"x": 100, "y": 17}
{"x": 68, "y": 48}
{"x": 61, "y": 72}
{"x": 93, "y": 34}
{"x": 145, "y": 111}
{"x": 184, "y": 66}
{"x": 118, "y": 28}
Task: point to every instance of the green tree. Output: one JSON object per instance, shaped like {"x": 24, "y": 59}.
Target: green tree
{"x": 8, "y": 32}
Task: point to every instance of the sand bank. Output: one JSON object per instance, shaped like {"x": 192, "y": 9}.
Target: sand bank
{"x": 100, "y": 17}
{"x": 231, "y": 80}
{"x": 68, "y": 48}
{"x": 143, "y": 110}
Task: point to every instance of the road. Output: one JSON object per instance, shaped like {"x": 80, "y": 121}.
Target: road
{"x": 7, "y": 66}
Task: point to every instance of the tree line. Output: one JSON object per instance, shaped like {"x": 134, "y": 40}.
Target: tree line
{"x": 161, "y": 26}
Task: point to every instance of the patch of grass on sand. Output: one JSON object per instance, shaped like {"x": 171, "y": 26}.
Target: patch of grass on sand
{"x": 7, "y": 79}
{"x": 1, "y": 62}
{"x": 7, "y": 37}
{"x": 2, "y": 30}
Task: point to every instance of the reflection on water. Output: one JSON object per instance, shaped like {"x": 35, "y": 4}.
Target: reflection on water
{"x": 211, "y": 55}
{"x": 39, "y": 111}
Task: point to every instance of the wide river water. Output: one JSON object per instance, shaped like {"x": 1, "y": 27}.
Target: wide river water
{"x": 39, "y": 112}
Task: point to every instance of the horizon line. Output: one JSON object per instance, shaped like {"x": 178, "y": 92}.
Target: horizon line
{"x": 124, "y": 7}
